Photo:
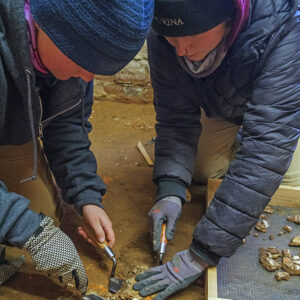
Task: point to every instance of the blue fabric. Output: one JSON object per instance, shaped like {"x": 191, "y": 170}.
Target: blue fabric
{"x": 65, "y": 141}
{"x": 258, "y": 87}
{"x": 100, "y": 36}
{"x": 171, "y": 188}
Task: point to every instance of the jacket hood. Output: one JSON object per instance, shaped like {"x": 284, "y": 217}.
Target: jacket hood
{"x": 270, "y": 16}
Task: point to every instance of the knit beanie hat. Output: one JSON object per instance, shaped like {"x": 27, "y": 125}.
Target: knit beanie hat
{"x": 101, "y": 36}
{"x": 189, "y": 17}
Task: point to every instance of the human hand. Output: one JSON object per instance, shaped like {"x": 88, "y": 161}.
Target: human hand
{"x": 171, "y": 277}
{"x": 168, "y": 209}
{"x": 51, "y": 250}
{"x": 99, "y": 221}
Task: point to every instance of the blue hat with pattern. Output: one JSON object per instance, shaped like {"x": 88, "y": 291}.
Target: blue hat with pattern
{"x": 101, "y": 36}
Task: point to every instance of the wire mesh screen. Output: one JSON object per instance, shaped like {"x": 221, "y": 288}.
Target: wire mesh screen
{"x": 241, "y": 277}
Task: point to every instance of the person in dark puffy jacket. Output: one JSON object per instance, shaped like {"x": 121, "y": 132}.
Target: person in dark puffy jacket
{"x": 50, "y": 51}
{"x": 228, "y": 72}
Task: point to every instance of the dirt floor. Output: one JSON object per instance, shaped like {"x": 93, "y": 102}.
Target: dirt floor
{"x": 130, "y": 194}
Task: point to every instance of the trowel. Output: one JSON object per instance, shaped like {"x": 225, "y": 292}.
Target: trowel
{"x": 163, "y": 243}
{"x": 115, "y": 284}
{"x": 92, "y": 297}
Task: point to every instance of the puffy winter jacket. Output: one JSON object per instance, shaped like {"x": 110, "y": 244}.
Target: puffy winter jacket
{"x": 256, "y": 86}
{"x": 56, "y": 111}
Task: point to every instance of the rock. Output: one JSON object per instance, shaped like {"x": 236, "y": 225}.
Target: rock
{"x": 273, "y": 250}
{"x": 271, "y": 237}
{"x": 262, "y": 226}
{"x": 255, "y": 234}
{"x": 287, "y": 228}
{"x": 286, "y": 252}
{"x": 295, "y": 241}
{"x": 282, "y": 276}
{"x": 262, "y": 216}
{"x": 294, "y": 219}
{"x": 269, "y": 210}
{"x": 266, "y": 258}
{"x": 280, "y": 233}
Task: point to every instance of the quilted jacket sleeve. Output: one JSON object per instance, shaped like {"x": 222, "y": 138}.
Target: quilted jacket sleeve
{"x": 271, "y": 129}
{"x": 178, "y": 117}
{"x": 73, "y": 164}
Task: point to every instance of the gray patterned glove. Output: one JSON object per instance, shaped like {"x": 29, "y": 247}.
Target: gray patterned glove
{"x": 168, "y": 209}
{"x": 52, "y": 251}
{"x": 9, "y": 268}
{"x": 171, "y": 277}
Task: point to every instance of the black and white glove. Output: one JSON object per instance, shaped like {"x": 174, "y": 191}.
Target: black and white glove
{"x": 9, "y": 267}
{"x": 51, "y": 250}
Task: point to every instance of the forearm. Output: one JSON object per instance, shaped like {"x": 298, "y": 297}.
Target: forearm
{"x": 73, "y": 164}
{"x": 18, "y": 222}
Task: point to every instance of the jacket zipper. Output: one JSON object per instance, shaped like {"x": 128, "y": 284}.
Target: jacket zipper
{"x": 40, "y": 121}
{"x": 59, "y": 113}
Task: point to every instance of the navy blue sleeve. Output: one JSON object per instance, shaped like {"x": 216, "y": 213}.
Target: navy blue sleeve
{"x": 17, "y": 222}
{"x": 271, "y": 129}
{"x": 73, "y": 164}
{"x": 178, "y": 116}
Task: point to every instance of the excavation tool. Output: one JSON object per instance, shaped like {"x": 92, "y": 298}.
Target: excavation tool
{"x": 115, "y": 284}
{"x": 92, "y": 297}
{"x": 163, "y": 243}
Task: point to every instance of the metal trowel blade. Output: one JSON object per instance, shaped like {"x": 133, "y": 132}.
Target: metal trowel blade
{"x": 92, "y": 297}
{"x": 115, "y": 284}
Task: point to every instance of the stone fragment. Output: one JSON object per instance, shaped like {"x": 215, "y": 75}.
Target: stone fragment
{"x": 269, "y": 210}
{"x": 282, "y": 276}
{"x": 255, "y": 234}
{"x": 262, "y": 216}
{"x": 262, "y": 226}
{"x": 266, "y": 258}
{"x": 287, "y": 228}
{"x": 273, "y": 250}
{"x": 295, "y": 241}
{"x": 271, "y": 237}
{"x": 294, "y": 219}
{"x": 276, "y": 255}
{"x": 286, "y": 252}
{"x": 280, "y": 233}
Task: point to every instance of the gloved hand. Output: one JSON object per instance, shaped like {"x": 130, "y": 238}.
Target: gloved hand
{"x": 167, "y": 209}
{"x": 52, "y": 251}
{"x": 171, "y": 277}
{"x": 9, "y": 268}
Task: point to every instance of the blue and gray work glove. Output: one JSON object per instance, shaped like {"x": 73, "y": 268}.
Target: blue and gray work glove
{"x": 51, "y": 250}
{"x": 171, "y": 277}
{"x": 168, "y": 210}
{"x": 9, "y": 267}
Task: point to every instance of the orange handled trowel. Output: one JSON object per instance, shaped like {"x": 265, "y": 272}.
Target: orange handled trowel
{"x": 115, "y": 284}
{"x": 163, "y": 243}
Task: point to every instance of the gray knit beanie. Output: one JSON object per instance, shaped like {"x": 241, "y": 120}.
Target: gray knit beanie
{"x": 189, "y": 17}
{"x": 101, "y": 36}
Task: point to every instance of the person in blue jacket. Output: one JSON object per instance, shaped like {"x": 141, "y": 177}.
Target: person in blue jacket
{"x": 50, "y": 51}
{"x": 227, "y": 71}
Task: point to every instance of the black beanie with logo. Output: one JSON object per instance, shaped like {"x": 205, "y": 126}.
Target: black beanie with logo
{"x": 178, "y": 18}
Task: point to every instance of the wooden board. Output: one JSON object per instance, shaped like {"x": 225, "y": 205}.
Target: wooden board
{"x": 145, "y": 154}
{"x": 285, "y": 196}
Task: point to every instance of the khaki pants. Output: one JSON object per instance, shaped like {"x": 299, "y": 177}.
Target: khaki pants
{"x": 16, "y": 163}
{"x": 216, "y": 149}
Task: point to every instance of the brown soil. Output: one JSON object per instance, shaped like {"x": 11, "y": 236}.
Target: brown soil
{"x": 130, "y": 194}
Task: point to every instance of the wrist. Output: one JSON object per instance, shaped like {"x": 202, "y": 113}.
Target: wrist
{"x": 171, "y": 188}
{"x": 173, "y": 199}
{"x": 197, "y": 260}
